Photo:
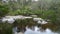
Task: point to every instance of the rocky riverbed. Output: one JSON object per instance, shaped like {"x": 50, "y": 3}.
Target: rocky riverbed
{"x": 11, "y": 19}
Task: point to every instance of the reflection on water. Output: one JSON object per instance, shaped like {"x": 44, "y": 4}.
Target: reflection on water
{"x": 35, "y": 30}
{"x": 41, "y": 29}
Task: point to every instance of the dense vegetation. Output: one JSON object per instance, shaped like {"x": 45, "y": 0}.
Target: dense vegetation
{"x": 49, "y": 10}
{"x": 3, "y": 10}
{"x": 46, "y": 9}
{"x": 5, "y": 28}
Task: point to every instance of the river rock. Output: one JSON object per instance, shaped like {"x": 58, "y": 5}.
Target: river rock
{"x": 35, "y": 16}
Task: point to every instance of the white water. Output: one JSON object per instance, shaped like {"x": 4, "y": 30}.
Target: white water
{"x": 11, "y": 19}
{"x": 47, "y": 31}
{"x": 35, "y": 31}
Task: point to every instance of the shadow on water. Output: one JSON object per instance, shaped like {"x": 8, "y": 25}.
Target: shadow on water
{"x": 30, "y": 27}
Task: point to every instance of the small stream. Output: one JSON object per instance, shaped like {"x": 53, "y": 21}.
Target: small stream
{"x": 37, "y": 30}
{"x": 30, "y": 30}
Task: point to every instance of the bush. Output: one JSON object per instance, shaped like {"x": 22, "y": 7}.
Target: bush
{"x": 5, "y": 28}
{"x": 3, "y": 10}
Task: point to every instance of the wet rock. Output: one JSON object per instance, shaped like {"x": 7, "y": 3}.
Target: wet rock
{"x": 42, "y": 22}
{"x": 34, "y": 16}
{"x": 37, "y": 19}
{"x": 9, "y": 20}
{"x": 20, "y": 33}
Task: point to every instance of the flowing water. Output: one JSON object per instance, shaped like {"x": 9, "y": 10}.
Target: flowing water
{"x": 39, "y": 31}
{"x": 35, "y": 29}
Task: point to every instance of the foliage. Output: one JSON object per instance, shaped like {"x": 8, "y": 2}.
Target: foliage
{"x": 3, "y": 10}
{"x": 24, "y": 22}
{"x": 5, "y": 28}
